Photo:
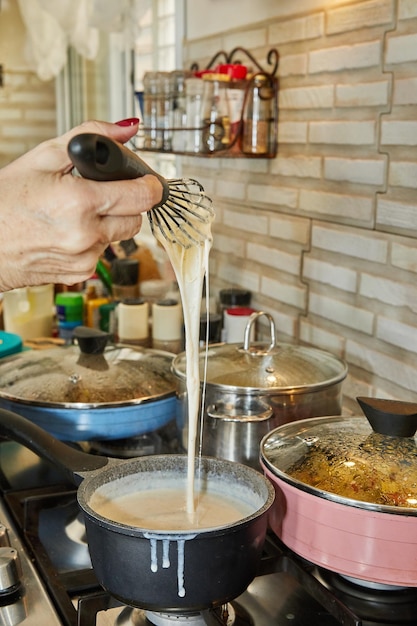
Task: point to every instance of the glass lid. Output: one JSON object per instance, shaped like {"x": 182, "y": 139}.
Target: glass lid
{"x": 370, "y": 460}
{"x": 89, "y": 373}
{"x": 283, "y": 367}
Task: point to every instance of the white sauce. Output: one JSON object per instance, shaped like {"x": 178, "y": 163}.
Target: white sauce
{"x": 191, "y": 266}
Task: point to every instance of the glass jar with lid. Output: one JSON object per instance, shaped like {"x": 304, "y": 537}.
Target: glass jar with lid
{"x": 258, "y": 116}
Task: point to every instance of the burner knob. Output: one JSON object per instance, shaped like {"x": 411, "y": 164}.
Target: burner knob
{"x": 4, "y": 536}
{"x": 10, "y": 570}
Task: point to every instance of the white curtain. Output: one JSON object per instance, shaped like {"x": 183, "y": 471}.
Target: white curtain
{"x": 52, "y": 26}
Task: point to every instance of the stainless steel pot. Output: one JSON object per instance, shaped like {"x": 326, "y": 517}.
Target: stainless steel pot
{"x": 253, "y": 388}
{"x": 91, "y": 391}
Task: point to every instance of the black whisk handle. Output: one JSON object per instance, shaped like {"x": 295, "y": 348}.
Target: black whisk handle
{"x": 98, "y": 157}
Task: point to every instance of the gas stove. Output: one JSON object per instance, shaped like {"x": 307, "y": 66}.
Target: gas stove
{"x": 55, "y": 583}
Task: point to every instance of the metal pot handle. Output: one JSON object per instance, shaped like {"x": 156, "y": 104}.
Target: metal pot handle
{"x": 246, "y": 341}
{"x": 215, "y": 411}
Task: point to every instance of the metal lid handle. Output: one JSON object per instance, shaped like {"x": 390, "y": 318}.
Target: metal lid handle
{"x": 252, "y": 319}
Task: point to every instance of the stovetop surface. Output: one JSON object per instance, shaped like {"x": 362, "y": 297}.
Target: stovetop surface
{"x": 288, "y": 591}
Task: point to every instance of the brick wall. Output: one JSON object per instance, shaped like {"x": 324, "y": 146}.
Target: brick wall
{"x": 27, "y": 105}
{"x": 325, "y": 234}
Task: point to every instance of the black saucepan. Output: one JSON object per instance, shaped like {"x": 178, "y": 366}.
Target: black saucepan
{"x": 159, "y": 570}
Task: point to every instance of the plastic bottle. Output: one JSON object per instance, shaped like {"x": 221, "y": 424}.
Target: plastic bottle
{"x": 70, "y": 313}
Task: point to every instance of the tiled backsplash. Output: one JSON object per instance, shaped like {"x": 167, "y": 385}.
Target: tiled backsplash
{"x": 325, "y": 235}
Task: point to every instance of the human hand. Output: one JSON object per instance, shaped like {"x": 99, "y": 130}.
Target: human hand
{"x": 53, "y": 225}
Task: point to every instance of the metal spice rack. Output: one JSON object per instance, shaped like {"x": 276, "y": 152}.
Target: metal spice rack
{"x": 234, "y": 148}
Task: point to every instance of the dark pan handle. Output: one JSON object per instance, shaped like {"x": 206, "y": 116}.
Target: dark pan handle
{"x": 74, "y": 462}
{"x": 390, "y": 417}
{"x": 98, "y": 157}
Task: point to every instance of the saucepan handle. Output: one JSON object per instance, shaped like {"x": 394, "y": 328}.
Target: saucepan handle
{"x": 74, "y": 462}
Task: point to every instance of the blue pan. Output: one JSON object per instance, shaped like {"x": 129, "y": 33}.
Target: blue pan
{"x": 113, "y": 393}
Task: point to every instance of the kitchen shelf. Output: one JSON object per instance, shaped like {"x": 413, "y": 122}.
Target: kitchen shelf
{"x": 268, "y": 91}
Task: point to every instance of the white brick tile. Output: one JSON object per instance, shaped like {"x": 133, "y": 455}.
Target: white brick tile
{"x": 401, "y": 49}
{"x": 403, "y": 174}
{"x": 322, "y": 338}
{"x": 363, "y": 94}
{"x": 275, "y": 258}
{"x": 293, "y": 229}
{"x": 230, "y": 245}
{"x": 404, "y": 256}
{"x": 237, "y": 276}
{"x": 354, "y": 387}
{"x": 299, "y": 29}
{"x": 407, "y": 9}
{"x": 405, "y": 91}
{"x": 360, "y": 15}
{"x": 29, "y": 131}
{"x": 266, "y": 194}
{"x": 292, "y": 132}
{"x": 298, "y": 166}
{"x": 355, "y": 56}
{"x": 284, "y": 324}
{"x": 396, "y": 214}
{"x": 366, "y": 171}
{"x": 382, "y": 365}
{"x": 397, "y": 333}
{"x": 392, "y": 292}
{"x": 245, "y": 221}
{"x": 399, "y": 133}
{"x": 328, "y": 273}
{"x": 353, "y": 242}
{"x": 230, "y": 189}
{"x": 358, "y": 208}
{"x": 254, "y": 38}
{"x": 360, "y": 133}
{"x": 293, "y": 65}
{"x": 309, "y": 97}
{"x": 9, "y": 113}
{"x": 288, "y": 294}
{"x": 341, "y": 312}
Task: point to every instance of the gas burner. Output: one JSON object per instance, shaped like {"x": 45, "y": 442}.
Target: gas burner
{"x": 162, "y": 441}
{"x": 375, "y": 603}
{"x": 231, "y": 614}
{"x": 62, "y": 533}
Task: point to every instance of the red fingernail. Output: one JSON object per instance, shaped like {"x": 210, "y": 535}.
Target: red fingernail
{"x": 130, "y": 121}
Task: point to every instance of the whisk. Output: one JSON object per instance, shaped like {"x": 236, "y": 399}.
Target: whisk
{"x": 183, "y": 213}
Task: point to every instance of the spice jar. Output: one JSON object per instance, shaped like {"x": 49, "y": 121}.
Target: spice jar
{"x": 125, "y": 276}
{"x": 194, "y": 88}
{"x": 152, "y": 104}
{"x": 216, "y": 113}
{"x": 257, "y": 116}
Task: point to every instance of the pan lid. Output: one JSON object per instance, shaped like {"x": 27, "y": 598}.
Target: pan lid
{"x": 87, "y": 374}
{"x": 259, "y": 367}
{"x": 370, "y": 461}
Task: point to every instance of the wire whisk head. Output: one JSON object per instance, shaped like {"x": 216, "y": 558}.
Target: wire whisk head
{"x": 184, "y": 217}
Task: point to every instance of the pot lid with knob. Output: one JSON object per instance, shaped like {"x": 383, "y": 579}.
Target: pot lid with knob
{"x": 87, "y": 374}
{"x": 368, "y": 462}
{"x": 274, "y": 367}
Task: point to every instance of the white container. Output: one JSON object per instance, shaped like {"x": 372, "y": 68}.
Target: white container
{"x": 29, "y": 311}
{"x": 167, "y": 325}
{"x": 235, "y": 321}
{"x": 133, "y": 322}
